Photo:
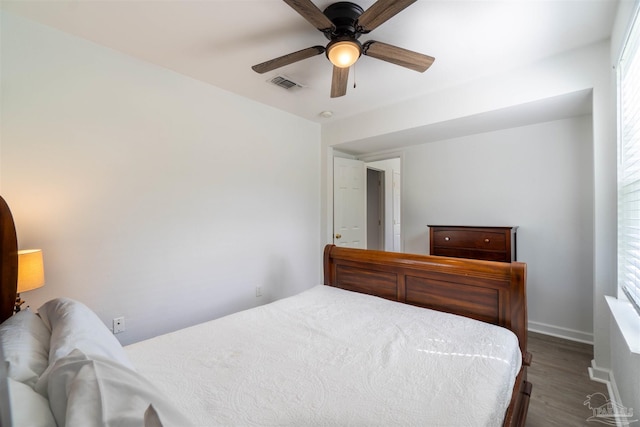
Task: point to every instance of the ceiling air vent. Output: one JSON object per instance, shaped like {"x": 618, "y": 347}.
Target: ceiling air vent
{"x": 284, "y": 82}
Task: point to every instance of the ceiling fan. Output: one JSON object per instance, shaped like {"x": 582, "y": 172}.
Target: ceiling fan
{"x": 343, "y": 23}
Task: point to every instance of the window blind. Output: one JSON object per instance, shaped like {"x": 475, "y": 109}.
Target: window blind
{"x": 629, "y": 167}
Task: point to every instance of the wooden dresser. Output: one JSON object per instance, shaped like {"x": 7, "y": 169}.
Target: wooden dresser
{"x": 487, "y": 243}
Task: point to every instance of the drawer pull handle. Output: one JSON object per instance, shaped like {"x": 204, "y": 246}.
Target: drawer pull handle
{"x": 486, "y": 240}
{"x": 446, "y": 239}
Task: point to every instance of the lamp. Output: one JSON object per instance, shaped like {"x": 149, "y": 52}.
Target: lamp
{"x": 343, "y": 53}
{"x": 30, "y": 273}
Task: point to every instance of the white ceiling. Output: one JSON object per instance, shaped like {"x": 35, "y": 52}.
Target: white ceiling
{"x": 217, "y": 41}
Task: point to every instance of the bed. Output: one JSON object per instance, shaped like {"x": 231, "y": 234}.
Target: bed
{"x": 387, "y": 339}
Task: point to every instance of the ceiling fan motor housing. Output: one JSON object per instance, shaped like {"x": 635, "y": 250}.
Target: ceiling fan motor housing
{"x": 344, "y": 16}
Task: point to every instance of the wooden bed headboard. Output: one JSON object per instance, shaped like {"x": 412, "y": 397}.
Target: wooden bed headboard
{"x": 493, "y": 292}
{"x": 8, "y": 262}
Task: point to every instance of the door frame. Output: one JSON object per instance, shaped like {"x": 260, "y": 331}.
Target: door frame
{"x": 328, "y": 207}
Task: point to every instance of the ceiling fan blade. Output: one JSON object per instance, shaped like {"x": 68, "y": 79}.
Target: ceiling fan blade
{"x": 380, "y": 12}
{"x": 397, "y": 55}
{"x": 288, "y": 59}
{"x": 339, "y": 81}
{"x": 311, "y": 13}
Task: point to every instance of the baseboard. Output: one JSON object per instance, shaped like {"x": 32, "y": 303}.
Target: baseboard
{"x": 555, "y": 331}
{"x": 600, "y": 375}
{"x": 605, "y": 376}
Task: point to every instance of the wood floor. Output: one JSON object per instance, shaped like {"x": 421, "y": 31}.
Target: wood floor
{"x": 560, "y": 382}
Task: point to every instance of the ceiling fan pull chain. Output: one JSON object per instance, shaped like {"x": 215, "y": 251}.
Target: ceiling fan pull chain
{"x": 354, "y": 76}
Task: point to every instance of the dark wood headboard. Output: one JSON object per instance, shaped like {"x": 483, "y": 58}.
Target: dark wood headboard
{"x": 8, "y": 262}
{"x": 493, "y": 292}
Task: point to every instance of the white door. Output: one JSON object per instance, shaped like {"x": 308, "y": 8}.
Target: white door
{"x": 349, "y": 220}
{"x": 396, "y": 211}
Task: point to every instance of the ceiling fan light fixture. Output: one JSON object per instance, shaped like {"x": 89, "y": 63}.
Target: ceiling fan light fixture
{"x": 344, "y": 53}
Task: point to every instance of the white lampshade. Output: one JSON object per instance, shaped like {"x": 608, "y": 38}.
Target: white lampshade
{"x": 30, "y": 270}
{"x": 344, "y": 53}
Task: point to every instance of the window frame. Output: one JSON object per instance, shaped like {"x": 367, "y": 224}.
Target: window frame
{"x": 630, "y": 52}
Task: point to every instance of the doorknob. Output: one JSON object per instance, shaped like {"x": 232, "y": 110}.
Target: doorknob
{"x": 338, "y": 236}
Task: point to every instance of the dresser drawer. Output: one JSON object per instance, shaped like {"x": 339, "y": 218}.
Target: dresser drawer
{"x": 470, "y": 239}
{"x": 485, "y": 243}
{"x": 501, "y": 256}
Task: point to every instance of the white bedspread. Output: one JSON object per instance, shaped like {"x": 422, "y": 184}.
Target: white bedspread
{"x": 333, "y": 357}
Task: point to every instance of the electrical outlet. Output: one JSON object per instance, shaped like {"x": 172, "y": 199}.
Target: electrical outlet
{"x": 258, "y": 291}
{"x": 118, "y": 325}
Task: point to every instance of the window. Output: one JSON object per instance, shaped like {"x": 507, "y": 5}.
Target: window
{"x": 629, "y": 167}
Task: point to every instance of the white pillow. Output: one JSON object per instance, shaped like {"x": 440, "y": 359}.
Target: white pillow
{"x": 28, "y": 408}
{"x": 87, "y": 392}
{"x": 25, "y": 346}
{"x": 73, "y": 325}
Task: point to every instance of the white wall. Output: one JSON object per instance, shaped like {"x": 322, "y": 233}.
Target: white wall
{"x": 153, "y": 196}
{"x": 539, "y": 178}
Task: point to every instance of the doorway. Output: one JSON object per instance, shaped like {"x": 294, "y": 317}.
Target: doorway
{"x": 354, "y": 201}
{"x": 375, "y": 209}
{"x": 390, "y": 202}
